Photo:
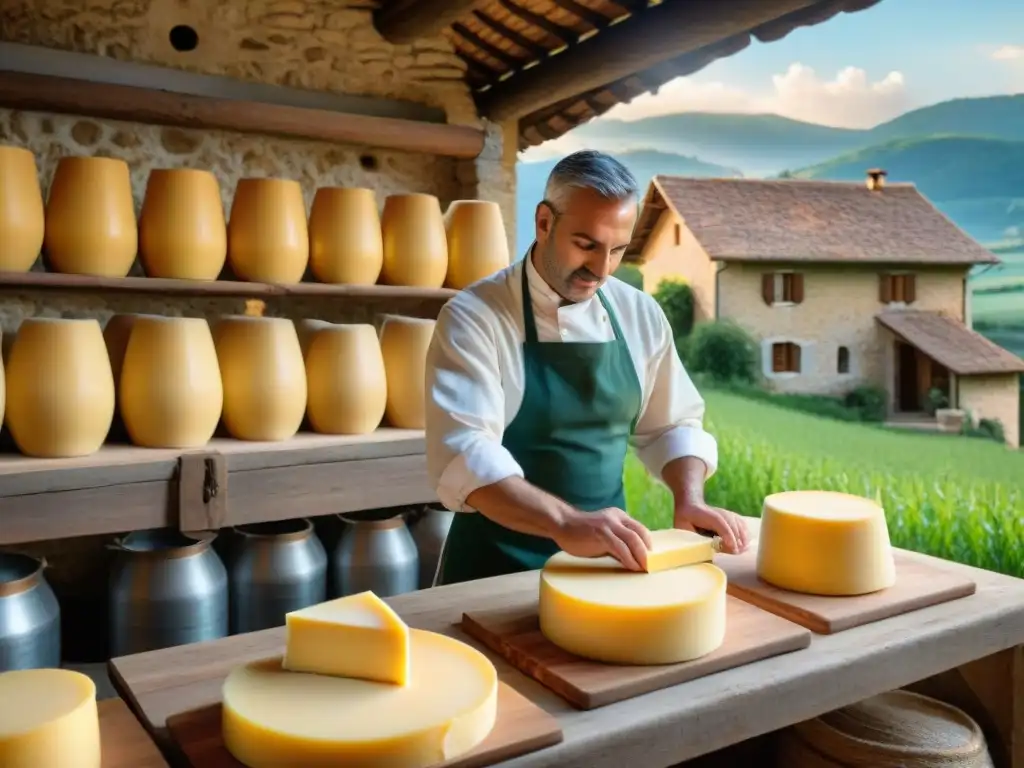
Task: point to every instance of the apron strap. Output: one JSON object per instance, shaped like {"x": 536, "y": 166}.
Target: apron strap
{"x": 529, "y": 326}
{"x": 612, "y": 317}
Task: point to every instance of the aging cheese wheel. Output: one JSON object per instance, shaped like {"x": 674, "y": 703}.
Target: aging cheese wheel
{"x": 415, "y": 244}
{"x": 264, "y": 377}
{"x": 404, "y": 342}
{"x": 306, "y": 328}
{"x": 268, "y": 236}
{"x": 477, "y": 241}
{"x": 49, "y": 720}
{"x": 274, "y": 718}
{"x": 824, "y": 543}
{"x": 60, "y": 390}
{"x": 346, "y": 380}
{"x": 170, "y": 390}
{"x": 596, "y": 609}
{"x": 354, "y": 636}
{"x": 345, "y": 242}
{"x": 21, "y": 210}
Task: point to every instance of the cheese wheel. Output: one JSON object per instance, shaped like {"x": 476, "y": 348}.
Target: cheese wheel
{"x": 48, "y": 719}
{"x": 598, "y": 610}
{"x": 824, "y": 543}
{"x": 274, "y": 718}
{"x": 404, "y": 342}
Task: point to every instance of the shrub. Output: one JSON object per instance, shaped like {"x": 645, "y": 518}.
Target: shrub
{"x": 676, "y": 300}
{"x": 869, "y": 402}
{"x": 629, "y": 273}
{"x": 723, "y": 351}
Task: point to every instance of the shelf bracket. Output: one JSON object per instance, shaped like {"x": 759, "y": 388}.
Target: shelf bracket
{"x": 202, "y": 491}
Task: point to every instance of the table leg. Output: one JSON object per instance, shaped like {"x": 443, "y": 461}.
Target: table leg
{"x": 991, "y": 690}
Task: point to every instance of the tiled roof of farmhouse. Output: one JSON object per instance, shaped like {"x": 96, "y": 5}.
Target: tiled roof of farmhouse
{"x": 809, "y": 221}
{"x": 951, "y": 343}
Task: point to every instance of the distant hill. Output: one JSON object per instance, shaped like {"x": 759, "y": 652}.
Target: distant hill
{"x": 761, "y": 145}
{"x": 977, "y": 182}
{"x": 644, "y": 164}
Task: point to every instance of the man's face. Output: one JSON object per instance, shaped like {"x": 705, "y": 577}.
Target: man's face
{"x": 581, "y": 244}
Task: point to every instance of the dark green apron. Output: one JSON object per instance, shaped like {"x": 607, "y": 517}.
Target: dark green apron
{"x": 580, "y": 405}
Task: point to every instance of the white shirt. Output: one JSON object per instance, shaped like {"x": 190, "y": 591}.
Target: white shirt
{"x": 475, "y": 377}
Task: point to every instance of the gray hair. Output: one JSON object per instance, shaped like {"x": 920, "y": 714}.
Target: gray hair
{"x": 590, "y": 169}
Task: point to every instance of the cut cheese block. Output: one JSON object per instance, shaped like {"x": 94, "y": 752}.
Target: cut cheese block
{"x": 672, "y": 548}
{"x": 824, "y": 543}
{"x": 274, "y": 718}
{"x": 356, "y": 636}
{"x": 48, "y": 719}
{"x": 598, "y": 610}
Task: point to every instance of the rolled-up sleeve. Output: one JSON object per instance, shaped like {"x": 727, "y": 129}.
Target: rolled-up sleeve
{"x": 672, "y": 423}
{"x": 465, "y": 407}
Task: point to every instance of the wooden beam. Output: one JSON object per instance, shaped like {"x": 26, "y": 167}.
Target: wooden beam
{"x": 638, "y": 43}
{"x": 47, "y": 93}
{"x": 403, "y": 21}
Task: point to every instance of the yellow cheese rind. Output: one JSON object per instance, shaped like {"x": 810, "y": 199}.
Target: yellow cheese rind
{"x": 48, "y": 719}
{"x": 600, "y": 611}
{"x": 355, "y": 636}
{"x": 273, "y": 718}
{"x": 824, "y": 543}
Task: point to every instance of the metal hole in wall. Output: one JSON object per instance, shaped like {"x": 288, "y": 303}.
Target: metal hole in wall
{"x": 368, "y": 162}
{"x": 183, "y": 38}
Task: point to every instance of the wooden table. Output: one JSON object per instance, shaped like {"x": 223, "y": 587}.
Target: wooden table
{"x": 969, "y": 652}
{"x": 125, "y": 743}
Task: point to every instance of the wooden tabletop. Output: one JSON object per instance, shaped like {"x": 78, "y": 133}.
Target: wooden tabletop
{"x": 660, "y": 728}
{"x": 125, "y": 743}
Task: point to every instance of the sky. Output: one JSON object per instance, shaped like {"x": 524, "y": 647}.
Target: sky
{"x": 855, "y": 70}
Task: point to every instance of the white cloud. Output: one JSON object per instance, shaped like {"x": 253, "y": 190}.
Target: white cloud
{"x": 1008, "y": 53}
{"x": 849, "y": 100}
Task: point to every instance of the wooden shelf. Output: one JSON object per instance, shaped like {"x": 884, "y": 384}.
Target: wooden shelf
{"x": 157, "y": 285}
{"x": 124, "y": 488}
{"x": 50, "y": 93}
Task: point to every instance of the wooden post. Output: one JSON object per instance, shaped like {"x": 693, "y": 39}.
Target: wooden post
{"x": 202, "y": 491}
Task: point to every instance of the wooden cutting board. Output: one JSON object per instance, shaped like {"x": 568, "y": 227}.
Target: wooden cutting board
{"x": 514, "y": 633}
{"x": 918, "y": 585}
{"x": 124, "y": 743}
{"x": 522, "y": 727}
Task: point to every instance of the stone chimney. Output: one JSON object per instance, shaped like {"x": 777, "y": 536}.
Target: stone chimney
{"x": 876, "y": 179}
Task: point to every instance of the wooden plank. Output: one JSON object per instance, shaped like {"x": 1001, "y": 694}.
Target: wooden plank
{"x": 172, "y": 287}
{"x": 313, "y": 448}
{"x": 310, "y": 490}
{"x": 521, "y": 727}
{"x": 124, "y": 743}
{"x": 513, "y": 631}
{"x": 48, "y": 93}
{"x": 402, "y": 21}
{"x": 918, "y": 585}
{"x": 111, "y": 465}
{"x": 663, "y": 727}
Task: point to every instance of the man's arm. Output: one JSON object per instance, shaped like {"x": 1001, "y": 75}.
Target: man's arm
{"x": 473, "y": 471}
{"x": 672, "y": 443}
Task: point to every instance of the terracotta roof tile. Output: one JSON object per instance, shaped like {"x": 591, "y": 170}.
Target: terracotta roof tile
{"x": 951, "y": 343}
{"x": 814, "y": 221}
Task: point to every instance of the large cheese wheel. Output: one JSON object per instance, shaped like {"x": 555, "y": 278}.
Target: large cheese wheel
{"x": 268, "y": 235}
{"x": 60, "y": 390}
{"x": 824, "y": 543}
{"x": 477, "y": 241}
{"x": 596, "y": 609}
{"x": 48, "y": 719}
{"x": 345, "y": 241}
{"x": 274, "y": 718}
{"x": 404, "y": 342}
{"x": 346, "y": 380}
{"x": 264, "y": 377}
{"x": 414, "y": 241}
{"x": 21, "y": 210}
{"x": 170, "y": 389}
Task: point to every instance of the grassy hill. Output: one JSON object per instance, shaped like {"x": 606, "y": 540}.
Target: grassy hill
{"x": 645, "y": 163}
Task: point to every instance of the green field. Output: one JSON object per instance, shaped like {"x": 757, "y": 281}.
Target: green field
{"x": 953, "y": 497}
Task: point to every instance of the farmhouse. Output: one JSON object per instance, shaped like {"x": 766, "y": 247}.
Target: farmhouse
{"x": 842, "y": 284}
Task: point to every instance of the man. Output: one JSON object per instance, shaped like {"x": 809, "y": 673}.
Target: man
{"x": 538, "y": 379}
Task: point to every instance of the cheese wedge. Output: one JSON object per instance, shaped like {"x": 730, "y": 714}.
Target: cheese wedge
{"x": 273, "y": 718}
{"x": 355, "y": 636}
{"x": 48, "y": 719}
{"x": 673, "y": 548}
{"x": 598, "y": 610}
{"x": 824, "y": 543}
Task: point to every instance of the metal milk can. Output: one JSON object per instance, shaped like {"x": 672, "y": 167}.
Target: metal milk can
{"x": 377, "y": 555}
{"x": 430, "y": 530}
{"x": 29, "y": 615}
{"x": 166, "y": 589}
{"x": 273, "y": 568}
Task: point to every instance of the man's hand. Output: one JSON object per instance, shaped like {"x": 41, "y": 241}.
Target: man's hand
{"x": 605, "y": 532}
{"x": 728, "y": 525}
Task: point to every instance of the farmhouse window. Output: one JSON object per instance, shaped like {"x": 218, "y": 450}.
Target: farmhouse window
{"x": 785, "y": 357}
{"x": 843, "y": 360}
{"x": 897, "y": 288}
{"x": 782, "y": 287}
